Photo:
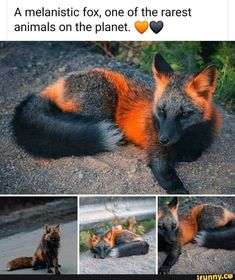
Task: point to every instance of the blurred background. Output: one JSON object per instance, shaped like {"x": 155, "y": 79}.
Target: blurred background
{"x": 184, "y": 56}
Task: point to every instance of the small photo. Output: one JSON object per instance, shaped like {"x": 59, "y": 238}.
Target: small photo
{"x": 38, "y": 235}
{"x": 196, "y": 235}
{"x": 117, "y": 235}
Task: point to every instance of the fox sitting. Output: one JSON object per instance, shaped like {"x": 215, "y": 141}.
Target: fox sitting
{"x": 211, "y": 226}
{"x": 46, "y": 255}
{"x": 90, "y": 112}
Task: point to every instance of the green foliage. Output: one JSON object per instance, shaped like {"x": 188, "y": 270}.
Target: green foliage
{"x": 224, "y": 58}
{"x": 84, "y": 236}
{"x": 182, "y": 200}
{"x": 187, "y": 57}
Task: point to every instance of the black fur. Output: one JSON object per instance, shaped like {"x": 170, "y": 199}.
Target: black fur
{"x": 218, "y": 239}
{"x": 196, "y": 139}
{"x": 42, "y": 129}
{"x": 130, "y": 249}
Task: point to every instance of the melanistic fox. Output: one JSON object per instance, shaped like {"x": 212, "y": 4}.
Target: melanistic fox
{"x": 209, "y": 225}
{"x": 117, "y": 243}
{"x": 90, "y": 112}
{"x": 46, "y": 255}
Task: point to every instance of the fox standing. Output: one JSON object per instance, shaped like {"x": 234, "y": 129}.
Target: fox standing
{"x": 176, "y": 230}
{"x": 116, "y": 243}
{"x": 90, "y": 112}
{"x": 46, "y": 255}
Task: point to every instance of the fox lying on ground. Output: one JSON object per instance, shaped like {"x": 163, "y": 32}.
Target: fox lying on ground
{"x": 46, "y": 255}
{"x": 117, "y": 242}
{"x": 209, "y": 225}
{"x": 92, "y": 111}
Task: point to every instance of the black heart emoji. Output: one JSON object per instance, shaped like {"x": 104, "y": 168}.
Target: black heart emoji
{"x": 156, "y": 27}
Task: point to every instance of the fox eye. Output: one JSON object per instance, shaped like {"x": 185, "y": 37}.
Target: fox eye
{"x": 183, "y": 113}
{"x": 173, "y": 226}
{"x": 162, "y": 111}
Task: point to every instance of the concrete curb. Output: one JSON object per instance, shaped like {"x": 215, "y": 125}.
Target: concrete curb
{"x": 95, "y": 215}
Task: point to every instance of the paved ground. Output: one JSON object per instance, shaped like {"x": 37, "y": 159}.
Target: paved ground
{"x": 145, "y": 264}
{"x": 198, "y": 260}
{"x": 28, "y": 67}
{"x": 24, "y": 244}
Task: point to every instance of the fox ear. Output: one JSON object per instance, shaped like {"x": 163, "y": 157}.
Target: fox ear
{"x": 162, "y": 73}
{"x": 159, "y": 213}
{"x": 161, "y": 67}
{"x": 203, "y": 84}
{"x": 109, "y": 233}
{"x": 174, "y": 203}
{"x": 47, "y": 228}
{"x": 58, "y": 228}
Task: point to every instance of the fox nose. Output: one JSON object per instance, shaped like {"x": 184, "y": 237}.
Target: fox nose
{"x": 164, "y": 140}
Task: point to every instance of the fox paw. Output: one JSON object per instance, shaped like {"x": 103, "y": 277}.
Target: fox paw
{"x": 164, "y": 270}
{"x": 49, "y": 270}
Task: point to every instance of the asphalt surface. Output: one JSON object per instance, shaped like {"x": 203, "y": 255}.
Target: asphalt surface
{"x": 25, "y": 244}
{"x": 144, "y": 264}
{"x": 29, "y": 67}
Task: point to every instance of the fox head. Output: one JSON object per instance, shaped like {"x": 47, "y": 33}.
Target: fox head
{"x": 101, "y": 243}
{"x": 181, "y": 101}
{"x": 168, "y": 221}
{"x": 52, "y": 235}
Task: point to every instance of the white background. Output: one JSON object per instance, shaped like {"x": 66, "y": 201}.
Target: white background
{"x": 209, "y": 20}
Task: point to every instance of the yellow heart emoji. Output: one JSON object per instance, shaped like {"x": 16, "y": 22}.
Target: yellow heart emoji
{"x": 141, "y": 26}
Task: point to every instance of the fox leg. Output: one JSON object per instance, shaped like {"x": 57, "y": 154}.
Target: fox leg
{"x": 35, "y": 263}
{"x": 164, "y": 172}
{"x": 48, "y": 264}
{"x": 56, "y": 265}
{"x": 171, "y": 259}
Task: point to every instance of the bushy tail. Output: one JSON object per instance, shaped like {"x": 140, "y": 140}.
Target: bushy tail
{"x": 224, "y": 239}
{"x": 44, "y": 130}
{"x": 130, "y": 249}
{"x": 19, "y": 263}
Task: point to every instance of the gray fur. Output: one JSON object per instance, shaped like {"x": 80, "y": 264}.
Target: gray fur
{"x": 114, "y": 252}
{"x": 110, "y": 135}
{"x": 200, "y": 238}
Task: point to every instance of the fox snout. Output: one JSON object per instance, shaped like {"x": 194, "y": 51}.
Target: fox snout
{"x": 169, "y": 132}
{"x": 102, "y": 250}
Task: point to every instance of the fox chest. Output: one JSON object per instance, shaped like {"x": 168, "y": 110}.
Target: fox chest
{"x": 191, "y": 146}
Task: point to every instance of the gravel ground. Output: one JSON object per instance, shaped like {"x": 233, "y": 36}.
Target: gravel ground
{"x": 25, "y": 244}
{"x": 199, "y": 260}
{"x": 144, "y": 264}
{"x": 28, "y": 67}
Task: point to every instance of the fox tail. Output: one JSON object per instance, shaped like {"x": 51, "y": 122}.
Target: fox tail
{"x": 224, "y": 239}
{"x": 19, "y": 263}
{"x": 130, "y": 249}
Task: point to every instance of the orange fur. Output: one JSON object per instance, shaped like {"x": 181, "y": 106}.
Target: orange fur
{"x": 117, "y": 80}
{"x": 133, "y": 123}
{"x": 189, "y": 226}
{"x": 57, "y": 94}
{"x": 162, "y": 82}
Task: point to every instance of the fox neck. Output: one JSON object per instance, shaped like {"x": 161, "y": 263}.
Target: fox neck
{"x": 195, "y": 140}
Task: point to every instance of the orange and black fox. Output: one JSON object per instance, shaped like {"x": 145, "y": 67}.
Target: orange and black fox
{"x": 209, "y": 225}
{"x": 46, "y": 255}
{"x": 117, "y": 243}
{"x": 92, "y": 111}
